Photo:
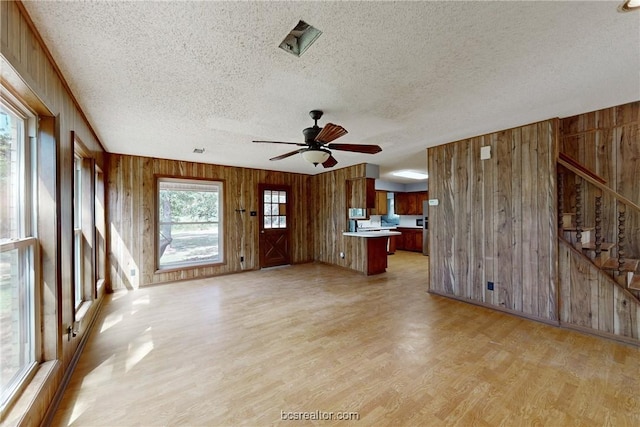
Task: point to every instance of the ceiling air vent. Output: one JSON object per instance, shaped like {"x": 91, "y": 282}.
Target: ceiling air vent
{"x": 300, "y": 38}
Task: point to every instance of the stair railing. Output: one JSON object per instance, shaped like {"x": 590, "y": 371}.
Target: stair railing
{"x": 620, "y": 273}
{"x": 599, "y": 182}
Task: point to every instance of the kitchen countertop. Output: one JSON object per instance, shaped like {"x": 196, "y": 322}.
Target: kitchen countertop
{"x": 370, "y": 234}
{"x": 378, "y": 228}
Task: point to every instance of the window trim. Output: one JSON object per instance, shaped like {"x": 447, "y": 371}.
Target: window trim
{"x": 100, "y": 265}
{"x": 78, "y": 238}
{"x": 28, "y": 170}
{"x": 221, "y": 222}
{"x": 86, "y": 232}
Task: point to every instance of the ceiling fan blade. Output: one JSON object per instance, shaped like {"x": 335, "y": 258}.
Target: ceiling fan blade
{"x": 282, "y": 142}
{"x": 284, "y": 156}
{"x": 357, "y": 148}
{"x": 330, "y": 162}
{"x": 330, "y": 132}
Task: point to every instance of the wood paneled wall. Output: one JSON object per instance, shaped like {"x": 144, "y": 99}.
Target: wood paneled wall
{"x": 496, "y": 220}
{"x": 30, "y": 73}
{"x": 592, "y": 301}
{"x": 329, "y": 207}
{"x": 131, "y": 216}
{"x": 607, "y": 142}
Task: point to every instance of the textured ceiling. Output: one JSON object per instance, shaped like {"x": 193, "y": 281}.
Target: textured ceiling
{"x": 162, "y": 78}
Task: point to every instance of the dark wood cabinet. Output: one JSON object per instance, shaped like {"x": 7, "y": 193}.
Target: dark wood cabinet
{"x": 400, "y": 203}
{"x": 410, "y": 203}
{"x": 376, "y": 255}
{"x": 400, "y": 240}
{"x": 370, "y": 201}
{"x": 409, "y": 240}
{"x": 393, "y": 243}
{"x": 381, "y": 202}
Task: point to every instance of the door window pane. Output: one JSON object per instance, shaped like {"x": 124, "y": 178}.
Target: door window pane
{"x": 274, "y": 209}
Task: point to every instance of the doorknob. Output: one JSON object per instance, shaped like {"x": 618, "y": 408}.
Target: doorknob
{"x": 261, "y": 231}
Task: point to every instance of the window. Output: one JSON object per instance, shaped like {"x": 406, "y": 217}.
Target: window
{"x": 84, "y": 231}
{"x": 189, "y": 223}
{"x": 101, "y": 227}
{"x": 391, "y": 217}
{"x": 78, "y": 241}
{"x": 275, "y": 209}
{"x": 18, "y": 253}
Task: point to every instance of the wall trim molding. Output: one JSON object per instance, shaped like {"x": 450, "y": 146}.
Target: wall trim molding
{"x": 497, "y": 308}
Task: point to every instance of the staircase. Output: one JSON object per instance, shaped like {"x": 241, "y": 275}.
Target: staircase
{"x": 607, "y": 256}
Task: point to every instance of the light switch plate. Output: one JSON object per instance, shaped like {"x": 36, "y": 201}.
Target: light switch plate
{"x": 485, "y": 152}
{"x": 434, "y": 202}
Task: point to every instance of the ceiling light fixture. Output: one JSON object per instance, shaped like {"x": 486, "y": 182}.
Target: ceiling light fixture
{"x": 411, "y": 175}
{"x": 300, "y": 38}
{"x": 316, "y": 156}
{"x": 629, "y": 5}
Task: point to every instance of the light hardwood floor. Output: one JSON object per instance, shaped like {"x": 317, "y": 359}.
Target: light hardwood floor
{"x": 240, "y": 349}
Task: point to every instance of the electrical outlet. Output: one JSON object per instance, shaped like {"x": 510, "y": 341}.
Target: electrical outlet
{"x": 342, "y": 255}
{"x": 133, "y": 272}
{"x": 490, "y": 286}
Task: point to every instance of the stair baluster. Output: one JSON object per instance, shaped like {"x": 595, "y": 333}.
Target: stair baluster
{"x": 560, "y": 202}
{"x": 598, "y": 227}
{"x": 621, "y": 237}
{"x": 578, "y": 243}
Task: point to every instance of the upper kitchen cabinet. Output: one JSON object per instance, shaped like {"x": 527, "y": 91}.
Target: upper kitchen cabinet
{"x": 381, "y": 202}
{"x": 361, "y": 193}
{"x": 410, "y": 203}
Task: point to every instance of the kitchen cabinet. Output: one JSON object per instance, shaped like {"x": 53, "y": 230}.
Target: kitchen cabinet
{"x": 370, "y": 188}
{"x": 410, "y": 239}
{"x": 381, "y": 202}
{"x": 404, "y": 203}
{"x": 410, "y": 203}
{"x": 393, "y": 242}
{"x": 399, "y": 243}
{"x": 361, "y": 193}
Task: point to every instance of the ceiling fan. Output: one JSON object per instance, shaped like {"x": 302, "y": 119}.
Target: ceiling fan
{"x": 317, "y": 143}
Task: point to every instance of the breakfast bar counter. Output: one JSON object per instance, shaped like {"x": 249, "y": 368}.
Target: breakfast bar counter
{"x": 376, "y": 248}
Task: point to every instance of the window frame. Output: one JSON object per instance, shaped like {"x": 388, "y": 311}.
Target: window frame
{"x": 100, "y": 221}
{"x": 221, "y": 223}
{"x": 26, "y": 241}
{"x": 78, "y": 240}
{"x": 84, "y": 256}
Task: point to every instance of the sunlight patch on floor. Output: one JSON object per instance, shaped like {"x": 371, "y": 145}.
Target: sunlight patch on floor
{"x": 138, "y": 350}
{"x": 91, "y": 383}
{"x": 102, "y": 374}
{"x": 140, "y": 301}
{"x": 110, "y": 320}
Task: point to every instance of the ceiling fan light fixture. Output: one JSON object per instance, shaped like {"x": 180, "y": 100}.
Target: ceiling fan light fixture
{"x": 300, "y": 38}
{"x": 316, "y": 156}
{"x": 629, "y": 5}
